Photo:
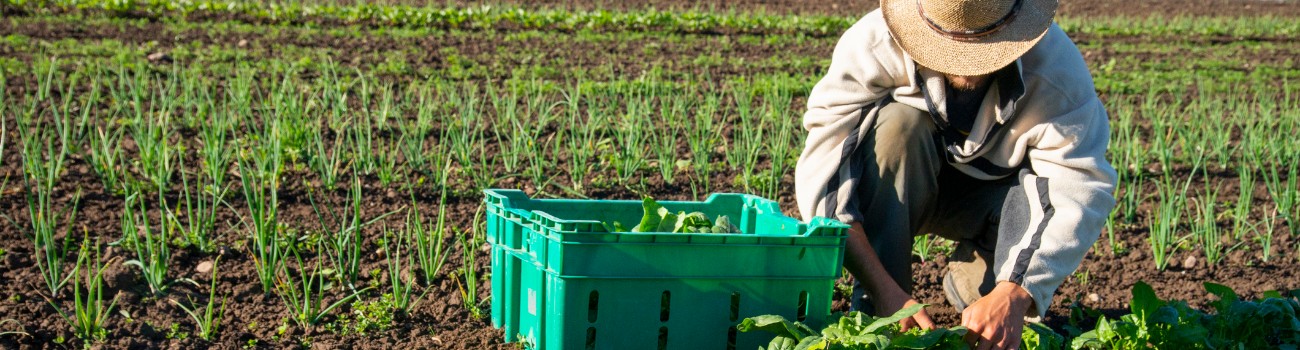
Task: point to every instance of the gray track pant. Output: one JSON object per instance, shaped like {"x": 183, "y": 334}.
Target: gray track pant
{"x": 909, "y": 189}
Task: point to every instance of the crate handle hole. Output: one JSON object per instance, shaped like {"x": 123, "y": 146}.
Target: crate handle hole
{"x": 731, "y": 338}
{"x": 592, "y": 305}
{"x": 803, "y": 306}
{"x": 735, "y": 306}
{"x": 663, "y": 308}
{"x": 591, "y": 338}
{"x": 663, "y": 338}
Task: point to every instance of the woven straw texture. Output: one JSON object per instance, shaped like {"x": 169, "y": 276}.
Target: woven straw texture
{"x": 967, "y": 56}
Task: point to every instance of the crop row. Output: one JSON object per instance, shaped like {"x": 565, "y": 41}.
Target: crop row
{"x": 1153, "y": 323}
{"x": 675, "y": 21}
{"x": 570, "y": 138}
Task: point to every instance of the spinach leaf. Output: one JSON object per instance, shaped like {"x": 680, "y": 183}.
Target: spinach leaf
{"x": 656, "y": 218}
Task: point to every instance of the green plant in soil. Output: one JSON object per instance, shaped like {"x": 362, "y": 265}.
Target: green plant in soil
{"x": 366, "y": 317}
{"x": 152, "y": 252}
{"x": 199, "y": 207}
{"x": 856, "y": 330}
{"x": 1270, "y": 323}
{"x": 90, "y": 313}
{"x": 345, "y": 238}
{"x": 105, "y": 157}
{"x": 1241, "y": 221}
{"x": 430, "y": 254}
{"x": 1281, "y": 180}
{"x": 43, "y": 162}
{"x": 217, "y": 153}
{"x": 262, "y": 221}
{"x": 468, "y": 283}
{"x": 401, "y": 278}
{"x": 1206, "y": 227}
{"x": 303, "y": 291}
{"x": 1168, "y": 216}
{"x": 207, "y": 320}
{"x": 326, "y": 161}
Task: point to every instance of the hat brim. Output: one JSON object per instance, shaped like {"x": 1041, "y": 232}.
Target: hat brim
{"x": 968, "y": 57}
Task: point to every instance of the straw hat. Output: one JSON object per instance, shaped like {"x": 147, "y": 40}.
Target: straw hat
{"x": 967, "y": 37}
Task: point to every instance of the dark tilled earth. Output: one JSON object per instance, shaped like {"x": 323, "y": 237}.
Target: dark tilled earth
{"x": 441, "y": 320}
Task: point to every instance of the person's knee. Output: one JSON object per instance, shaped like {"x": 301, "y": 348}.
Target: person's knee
{"x": 902, "y": 130}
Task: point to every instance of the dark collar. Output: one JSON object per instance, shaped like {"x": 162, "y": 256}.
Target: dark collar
{"x": 1011, "y": 87}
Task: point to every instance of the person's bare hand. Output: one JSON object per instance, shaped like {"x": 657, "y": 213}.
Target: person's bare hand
{"x": 996, "y": 320}
{"x": 888, "y": 305}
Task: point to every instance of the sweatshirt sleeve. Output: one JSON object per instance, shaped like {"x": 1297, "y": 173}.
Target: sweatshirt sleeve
{"x": 837, "y": 107}
{"x": 1068, "y": 196}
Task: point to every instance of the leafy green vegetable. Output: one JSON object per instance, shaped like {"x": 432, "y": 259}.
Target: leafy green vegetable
{"x": 854, "y": 330}
{"x": 1038, "y": 336}
{"x": 653, "y": 214}
{"x": 859, "y": 331}
{"x": 1271, "y": 323}
{"x": 656, "y": 218}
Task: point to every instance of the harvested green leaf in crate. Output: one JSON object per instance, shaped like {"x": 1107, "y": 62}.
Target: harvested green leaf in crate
{"x": 660, "y": 219}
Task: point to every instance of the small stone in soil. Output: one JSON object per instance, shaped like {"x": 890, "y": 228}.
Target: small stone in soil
{"x": 243, "y": 43}
{"x": 204, "y": 267}
{"x": 1093, "y": 297}
{"x": 1189, "y": 263}
{"x": 159, "y": 57}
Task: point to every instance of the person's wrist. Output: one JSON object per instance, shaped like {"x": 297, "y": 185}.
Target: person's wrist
{"x": 1018, "y": 296}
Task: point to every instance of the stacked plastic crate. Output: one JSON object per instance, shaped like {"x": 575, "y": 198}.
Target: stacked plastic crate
{"x": 560, "y": 280}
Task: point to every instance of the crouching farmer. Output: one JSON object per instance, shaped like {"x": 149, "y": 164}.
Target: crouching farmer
{"x": 975, "y": 120}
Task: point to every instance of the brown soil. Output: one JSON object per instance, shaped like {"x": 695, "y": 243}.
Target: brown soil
{"x": 1139, "y": 8}
{"x": 441, "y": 320}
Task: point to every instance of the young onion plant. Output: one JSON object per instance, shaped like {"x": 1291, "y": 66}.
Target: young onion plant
{"x": 1281, "y": 181}
{"x": 345, "y": 240}
{"x": 429, "y": 251}
{"x": 105, "y": 158}
{"x": 414, "y": 136}
{"x": 259, "y": 176}
{"x": 631, "y": 136}
{"x": 43, "y": 164}
{"x": 466, "y": 141}
{"x": 401, "y": 279}
{"x": 152, "y": 132}
{"x": 207, "y": 319}
{"x": 303, "y": 291}
{"x": 469, "y": 277}
{"x": 1165, "y": 220}
{"x": 49, "y": 252}
{"x": 1207, "y": 227}
{"x": 1168, "y": 216}
{"x": 579, "y": 140}
{"x": 326, "y": 161}
{"x": 672, "y": 114}
{"x": 533, "y": 130}
{"x": 216, "y": 153}
{"x": 1241, "y": 220}
{"x": 508, "y": 129}
{"x": 199, "y": 206}
{"x": 89, "y": 312}
{"x": 151, "y": 247}
{"x": 702, "y": 135}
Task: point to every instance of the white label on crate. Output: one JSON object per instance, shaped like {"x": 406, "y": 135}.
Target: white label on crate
{"x": 532, "y": 302}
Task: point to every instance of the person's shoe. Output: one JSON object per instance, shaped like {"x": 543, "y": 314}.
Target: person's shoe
{"x": 969, "y": 277}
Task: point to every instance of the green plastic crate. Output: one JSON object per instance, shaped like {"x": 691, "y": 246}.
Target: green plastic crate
{"x": 580, "y": 287}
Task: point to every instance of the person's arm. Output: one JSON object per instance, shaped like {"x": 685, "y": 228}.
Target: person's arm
{"x": 886, "y": 295}
{"x": 838, "y": 106}
{"x": 856, "y": 79}
{"x": 1069, "y": 196}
